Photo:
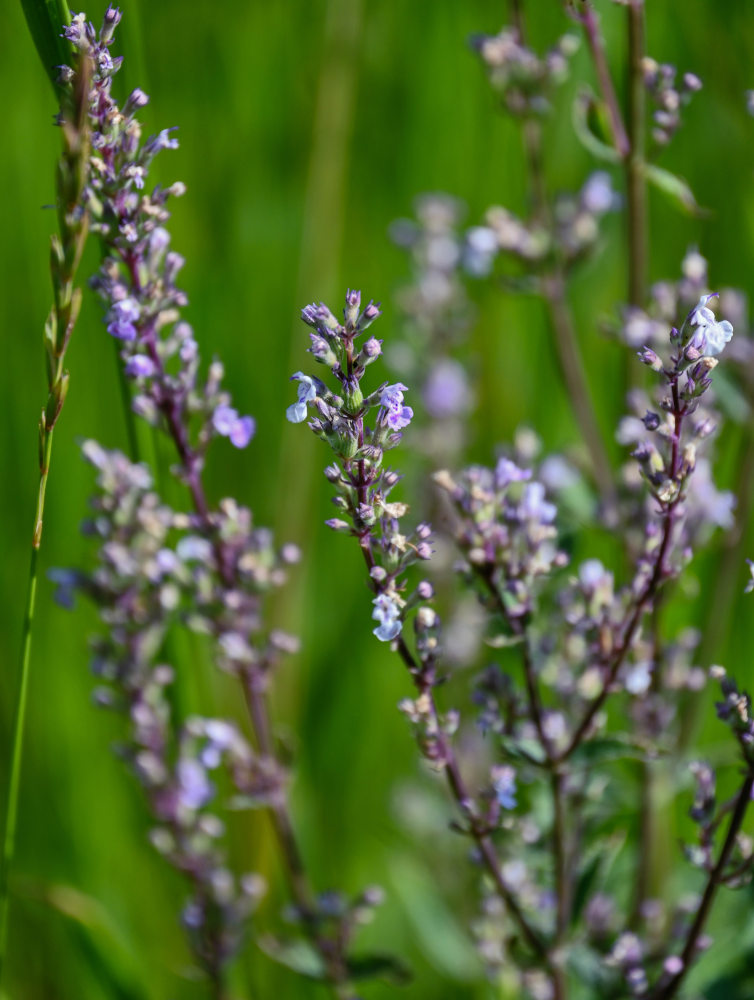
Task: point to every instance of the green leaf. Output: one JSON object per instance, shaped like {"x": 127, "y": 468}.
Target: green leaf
{"x": 675, "y": 188}
{"x": 439, "y": 930}
{"x": 503, "y": 641}
{"x": 590, "y": 127}
{"x": 100, "y": 941}
{"x": 45, "y": 19}
{"x": 607, "y": 748}
{"x": 296, "y": 954}
{"x": 528, "y": 751}
{"x": 595, "y": 870}
{"x": 730, "y": 399}
{"x": 379, "y": 967}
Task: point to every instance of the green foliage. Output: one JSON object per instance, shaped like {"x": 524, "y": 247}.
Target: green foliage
{"x": 45, "y": 18}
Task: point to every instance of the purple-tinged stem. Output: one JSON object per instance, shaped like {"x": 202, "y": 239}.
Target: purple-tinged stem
{"x": 648, "y": 592}
{"x": 554, "y": 292}
{"x": 596, "y": 45}
{"x": 714, "y": 880}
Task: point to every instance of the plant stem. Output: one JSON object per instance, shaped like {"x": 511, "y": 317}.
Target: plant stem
{"x": 254, "y": 683}
{"x": 634, "y": 159}
{"x": 596, "y": 46}
{"x": 649, "y": 590}
{"x": 553, "y": 283}
{"x": 66, "y": 248}
{"x": 710, "y": 891}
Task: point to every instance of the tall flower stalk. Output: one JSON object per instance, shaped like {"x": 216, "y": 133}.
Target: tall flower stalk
{"x": 207, "y": 570}
{"x": 65, "y": 254}
{"x": 574, "y": 661}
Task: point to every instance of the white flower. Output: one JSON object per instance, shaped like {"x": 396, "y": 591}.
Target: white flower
{"x": 712, "y": 335}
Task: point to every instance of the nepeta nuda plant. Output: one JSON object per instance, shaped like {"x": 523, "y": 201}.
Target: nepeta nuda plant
{"x": 206, "y": 570}
{"x": 596, "y": 683}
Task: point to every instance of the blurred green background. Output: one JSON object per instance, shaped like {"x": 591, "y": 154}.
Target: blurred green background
{"x": 305, "y": 128}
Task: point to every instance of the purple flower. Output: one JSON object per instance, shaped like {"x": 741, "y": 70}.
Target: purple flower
{"x": 239, "y": 430}
{"x": 711, "y": 336}
{"x": 306, "y": 392}
{"x": 387, "y": 613}
{"x": 597, "y": 195}
{"x": 534, "y": 506}
{"x": 162, "y": 141}
{"x": 397, "y": 416}
{"x": 504, "y": 786}
{"x": 140, "y": 366}
{"x": 194, "y": 788}
{"x": 446, "y": 392}
{"x": 123, "y": 315}
{"x": 507, "y": 472}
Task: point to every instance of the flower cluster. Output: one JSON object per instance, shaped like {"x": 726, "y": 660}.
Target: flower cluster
{"x": 156, "y": 574}
{"x": 362, "y": 481}
{"x": 437, "y": 313}
{"x": 572, "y": 233}
{"x": 137, "y": 280}
{"x": 522, "y": 79}
{"x": 207, "y": 570}
{"x": 668, "y": 96}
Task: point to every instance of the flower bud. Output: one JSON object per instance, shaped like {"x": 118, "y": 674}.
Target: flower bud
{"x": 353, "y": 303}
{"x": 648, "y": 357}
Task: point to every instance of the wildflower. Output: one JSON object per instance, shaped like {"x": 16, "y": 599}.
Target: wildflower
{"x": 712, "y": 335}
{"x": 387, "y": 613}
{"x": 504, "y": 786}
{"x": 446, "y": 392}
{"x": 239, "y": 430}
{"x": 307, "y": 391}
{"x": 534, "y": 506}
{"x": 507, "y": 472}
{"x": 194, "y": 788}
{"x": 397, "y": 416}
{"x": 140, "y": 366}
{"x": 123, "y": 317}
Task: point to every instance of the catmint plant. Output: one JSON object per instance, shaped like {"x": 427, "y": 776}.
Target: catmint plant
{"x": 205, "y": 570}
{"x": 584, "y": 641}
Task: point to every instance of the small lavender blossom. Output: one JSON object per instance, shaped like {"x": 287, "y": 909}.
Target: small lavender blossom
{"x": 227, "y": 423}
{"x": 446, "y": 393}
{"x": 711, "y": 335}
{"x": 307, "y": 392}
{"x": 504, "y": 786}
{"x": 124, "y": 315}
{"x": 140, "y": 366}
{"x": 507, "y": 472}
{"x": 387, "y": 613}
{"x": 479, "y": 251}
{"x": 397, "y": 416}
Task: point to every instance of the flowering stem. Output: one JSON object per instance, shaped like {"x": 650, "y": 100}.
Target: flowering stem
{"x": 648, "y": 591}
{"x": 424, "y": 679}
{"x": 714, "y": 880}
{"x": 553, "y": 285}
{"x": 255, "y": 682}
{"x": 596, "y": 45}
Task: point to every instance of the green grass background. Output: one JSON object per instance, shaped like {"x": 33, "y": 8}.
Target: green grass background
{"x": 305, "y": 128}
